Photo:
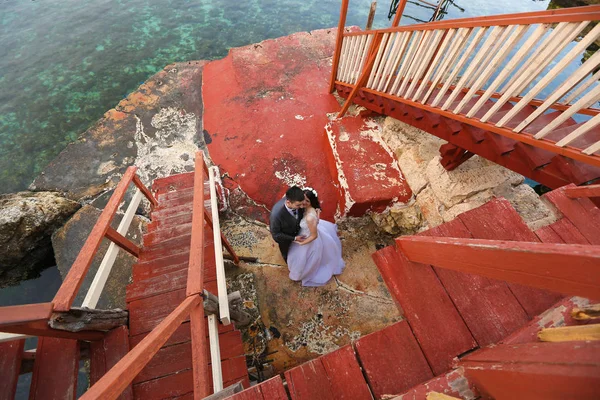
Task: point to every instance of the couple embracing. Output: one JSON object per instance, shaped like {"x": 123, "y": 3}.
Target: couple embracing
{"x": 309, "y": 245}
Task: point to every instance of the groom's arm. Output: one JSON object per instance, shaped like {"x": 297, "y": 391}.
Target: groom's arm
{"x": 278, "y": 235}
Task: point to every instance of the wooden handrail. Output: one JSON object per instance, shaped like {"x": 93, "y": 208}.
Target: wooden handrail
{"x": 145, "y": 191}
{"x": 583, "y": 191}
{"x": 112, "y": 384}
{"x": 72, "y": 282}
{"x": 12, "y": 315}
{"x": 195, "y": 278}
{"x": 575, "y": 14}
{"x": 564, "y": 268}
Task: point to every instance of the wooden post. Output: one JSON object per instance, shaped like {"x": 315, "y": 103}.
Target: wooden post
{"x": 196, "y": 264}
{"x": 199, "y": 356}
{"x": 399, "y": 11}
{"x": 338, "y": 44}
{"x": 371, "y": 16}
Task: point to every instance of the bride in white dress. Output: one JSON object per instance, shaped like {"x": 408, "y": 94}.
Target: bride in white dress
{"x": 318, "y": 257}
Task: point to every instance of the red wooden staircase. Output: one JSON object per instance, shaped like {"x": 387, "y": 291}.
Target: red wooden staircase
{"x": 460, "y": 329}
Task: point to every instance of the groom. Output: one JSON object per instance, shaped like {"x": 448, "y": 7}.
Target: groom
{"x": 285, "y": 219}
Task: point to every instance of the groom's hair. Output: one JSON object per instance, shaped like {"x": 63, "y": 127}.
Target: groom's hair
{"x": 294, "y": 194}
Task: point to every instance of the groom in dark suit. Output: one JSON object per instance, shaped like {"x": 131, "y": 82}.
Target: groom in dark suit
{"x": 285, "y": 219}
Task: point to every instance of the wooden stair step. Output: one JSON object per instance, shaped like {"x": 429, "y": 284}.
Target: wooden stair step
{"x": 171, "y": 222}
{"x": 498, "y": 220}
{"x": 180, "y": 384}
{"x": 567, "y": 232}
{"x": 533, "y": 156}
{"x": 336, "y": 375}
{"x": 181, "y": 335}
{"x": 11, "y": 354}
{"x": 55, "y": 369}
{"x": 581, "y": 212}
{"x": 104, "y": 354}
{"x": 427, "y": 307}
{"x": 145, "y": 270}
{"x": 165, "y": 213}
{"x": 173, "y": 183}
{"x": 392, "y": 360}
{"x": 453, "y": 383}
{"x": 575, "y": 172}
{"x": 172, "y": 359}
{"x": 174, "y": 195}
{"x": 166, "y": 234}
{"x": 487, "y": 306}
{"x": 271, "y": 389}
{"x": 548, "y": 235}
{"x": 166, "y": 248}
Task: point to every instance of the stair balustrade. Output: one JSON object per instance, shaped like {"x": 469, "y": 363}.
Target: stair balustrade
{"x": 521, "y": 62}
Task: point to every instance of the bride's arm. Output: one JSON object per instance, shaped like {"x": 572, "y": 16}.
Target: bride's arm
{"x": 311, "y": 222}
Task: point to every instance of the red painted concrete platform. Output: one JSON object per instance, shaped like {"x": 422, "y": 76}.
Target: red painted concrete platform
{"x": 363, "y": 166}
{"x": 265, "y": 111}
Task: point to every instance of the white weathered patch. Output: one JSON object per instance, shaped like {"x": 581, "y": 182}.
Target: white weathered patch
{"x": 349, "y": 201}
{"x": 290, "y": 178}
{"x": 300, "y": 117}
{"x": 160, "y": 155}
{"x": 344, "y": 137}
{"x": 258, "y": 141}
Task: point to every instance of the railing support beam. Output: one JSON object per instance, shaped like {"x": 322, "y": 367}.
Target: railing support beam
{"x": 583, "y": 191}
{"x": 540, "y": 265}
{"x": 122, "y": 242}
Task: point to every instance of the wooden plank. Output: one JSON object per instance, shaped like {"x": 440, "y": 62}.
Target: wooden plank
{"x": 570, "y": 333}
{"x": 488, "y": 307}
{"x": 537, "y": 370}
{"x": 172, "y": 183}
{"x": 122, "y": 242}
{"x": 201, "y": 373}
{"x": 407, "y": 282}
{"x": 55, "y": 369}
{"x": 547, "y": 235}
{"x": 309, "y": 381}
{"x": 196, "y": 269}
{"x": 116, "y": 346}
{"x": 165, "y": 234}
{"x": 112, "y": 384}
{"x": 567, "y": 232}
{"x": 41, "y": 328}
{"x": 10, "y": 365}
{"x": 184, "y": 218}
{"x": 181, "y": 335}
{"x": 13, "y": 315}
{"x": 272, "y": 389}
{"x": 166, "y": 387}
{"x": 346, "y": 380}
{"x": 587, "y": 223}
{"x": 392, "y": 360}
{"x": 583, "y": 191}
{"x": 536, "y": 264}
{"x": 215, "y": 353}
{"x": 72, "y": 282}
{"x": 498, "y": 220}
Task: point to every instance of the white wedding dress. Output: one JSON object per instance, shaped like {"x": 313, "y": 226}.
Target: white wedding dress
{"x": 316, "y": 262}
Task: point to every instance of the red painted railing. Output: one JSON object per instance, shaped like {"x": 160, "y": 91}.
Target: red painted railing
{"x": 453, "y": 67}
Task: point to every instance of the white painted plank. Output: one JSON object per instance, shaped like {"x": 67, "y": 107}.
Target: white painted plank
{"x": 586, "y": 101}
{"x": 448, "y": 36}
{"x": 577, "y": 77}
{"x": 463, "y": 59}
{"x": 582, "y": 130}
{"x": 412, "y": 44}
{"x": 415, "y": 63}
{"x": 9, "y": 337}
{"x": 220, "y": 266}
{"x": 364, "y": 56}
{"x": 508, "y": 69}
{"x": 583, "y": 87}
{"x": 399, "y": 59}
{"x": 377, "y": 65}
{"x": 343, "y": 58}
{"x": 348, "y": 58}
{"x": 425, "y": 63}
{"x": 97, "y": 286}
{"x": 552, "y": 74}
{"x": 354, "y": 71}
{"x": 459, "y": 41}
{"x": 491, "y": 53}
{"x": 501, "y": 53}
{"x": 385, "y": 56}
{"x": 215, "y": 353}
{"x": 392, "y": 60}
{"x": 593, "y": 148}
{"x": 538, "y": 61}
{"x": 495, "y": 32}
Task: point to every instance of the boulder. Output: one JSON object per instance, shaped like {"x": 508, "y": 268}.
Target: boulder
{"x": 27, "y": 220}
{"x": 69, "y": 240}
{"x": 400, "y": 219}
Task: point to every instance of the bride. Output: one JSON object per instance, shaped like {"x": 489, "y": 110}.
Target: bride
{"x": 318, "y": 256}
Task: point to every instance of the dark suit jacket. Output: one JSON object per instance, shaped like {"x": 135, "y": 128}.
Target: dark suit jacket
{"x": 284, "y": 226}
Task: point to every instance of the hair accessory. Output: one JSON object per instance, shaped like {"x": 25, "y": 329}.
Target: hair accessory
{"x": 311, "y": 190}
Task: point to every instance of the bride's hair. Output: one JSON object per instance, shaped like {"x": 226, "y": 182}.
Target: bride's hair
{"x": 312, "y": 197}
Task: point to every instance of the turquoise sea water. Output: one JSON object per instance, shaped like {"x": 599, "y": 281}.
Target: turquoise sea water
{"x": 64, "y": 63}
